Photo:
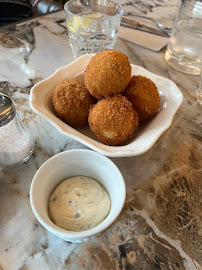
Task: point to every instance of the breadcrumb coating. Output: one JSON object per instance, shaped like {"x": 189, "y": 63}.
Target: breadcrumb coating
{"x": 113, "y": 120}
{"x": 143, "y": 94}
{"x": 71, "y": 101}
{"x": 108, "y": 73}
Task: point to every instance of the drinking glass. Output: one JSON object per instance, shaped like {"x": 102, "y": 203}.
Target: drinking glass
{"x": 184, "y": 50}
{"x": 92, "y": 25}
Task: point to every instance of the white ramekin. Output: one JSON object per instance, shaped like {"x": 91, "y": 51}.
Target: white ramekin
{"x": 73, "y": 163}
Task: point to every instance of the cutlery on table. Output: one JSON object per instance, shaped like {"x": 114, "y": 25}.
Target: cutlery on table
{"x": 163, "y": 31}
{"x": 162, "y": 27}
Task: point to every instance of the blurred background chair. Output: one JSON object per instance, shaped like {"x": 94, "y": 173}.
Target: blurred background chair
{"x": 45, "y": 6}
{"x": 16, "y": 10}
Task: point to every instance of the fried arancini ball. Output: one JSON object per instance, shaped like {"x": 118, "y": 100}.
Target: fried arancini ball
{"x": 144, "y": 96}
{"x": 71, "y": 101}
{"x": 113, "y": 120}
{"x": 108, "y": 73}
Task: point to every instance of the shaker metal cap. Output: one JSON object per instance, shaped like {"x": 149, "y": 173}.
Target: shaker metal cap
{"x": 7, "y": 110}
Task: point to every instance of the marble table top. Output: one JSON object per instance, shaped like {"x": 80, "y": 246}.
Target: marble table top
{"x": 160, "y": 226}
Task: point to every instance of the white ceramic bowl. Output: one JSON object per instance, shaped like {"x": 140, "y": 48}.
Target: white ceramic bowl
{"x": 144, "y": 136}
{"x": 73, "y": 163}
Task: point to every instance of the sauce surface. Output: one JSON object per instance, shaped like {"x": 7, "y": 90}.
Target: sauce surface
{"x": 79, "y": 204}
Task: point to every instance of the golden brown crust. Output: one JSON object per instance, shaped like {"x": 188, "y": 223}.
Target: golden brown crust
{"x": 144, "y": 96}
{"x": 71, "y": 101}
{"x": 108, "y": 73}
{"x": 113, "y": 120}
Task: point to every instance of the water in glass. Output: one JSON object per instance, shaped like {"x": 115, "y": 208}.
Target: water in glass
{"x": 184, "y": 48}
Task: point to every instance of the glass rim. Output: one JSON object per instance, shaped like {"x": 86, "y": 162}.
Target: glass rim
{"x": 119, "y": 12}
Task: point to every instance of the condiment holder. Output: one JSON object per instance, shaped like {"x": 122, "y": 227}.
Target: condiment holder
{"x": 16, "y": 143}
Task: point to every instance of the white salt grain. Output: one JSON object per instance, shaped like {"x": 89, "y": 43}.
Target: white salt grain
{"x": 15, "y": 143}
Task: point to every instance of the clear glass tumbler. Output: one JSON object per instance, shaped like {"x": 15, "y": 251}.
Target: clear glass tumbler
{"x": 92, "y": 25}
{"x": 184, "y": 50}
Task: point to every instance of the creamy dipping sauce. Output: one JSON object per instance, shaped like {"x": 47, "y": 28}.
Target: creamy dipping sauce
{"x": 79, "y": 204}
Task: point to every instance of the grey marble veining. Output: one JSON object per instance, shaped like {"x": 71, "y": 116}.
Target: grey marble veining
{"x": 160, "y": 225}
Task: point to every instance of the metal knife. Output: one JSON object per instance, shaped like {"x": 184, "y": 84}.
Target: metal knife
{"x": 138, "y": 26}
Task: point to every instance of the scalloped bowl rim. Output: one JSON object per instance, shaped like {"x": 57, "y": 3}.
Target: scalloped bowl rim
{"x": 167, "y": 89}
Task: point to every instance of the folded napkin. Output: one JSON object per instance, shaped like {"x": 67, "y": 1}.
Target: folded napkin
{"x": 144, "y": 39}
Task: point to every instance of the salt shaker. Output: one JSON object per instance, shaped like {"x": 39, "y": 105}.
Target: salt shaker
{"x": 16, "y": 144}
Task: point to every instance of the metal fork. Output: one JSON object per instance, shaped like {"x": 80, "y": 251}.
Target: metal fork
{"x": 162, "y": 27}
